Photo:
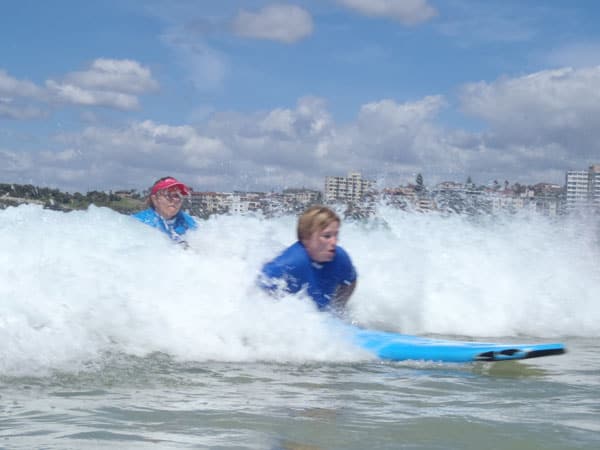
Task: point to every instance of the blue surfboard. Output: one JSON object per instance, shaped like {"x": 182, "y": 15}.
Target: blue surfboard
{"x": 401, "y": 347}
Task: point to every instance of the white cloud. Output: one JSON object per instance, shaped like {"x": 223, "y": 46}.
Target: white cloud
{"x": 407, "y": 12}
{"x": 119, "y": 156}
{"x": 389, "y": 136}
{"x": 70, "y": 93}
{"x": 14, "y": 94}
{"x": 11, "y": 110}
{"x": 283, "y": 23}
{"x": 545, "y": 121}
{"x": 273, "y": 149}
{"x": 107, "y": 82}
{"x": 16, "y": 163}
{"x": 180, "y": 142}
{"x": 302, "y": 145}
{"x": 552, "y": 100}
{"x": 114, "y": 75}
{"x": 391, "y": 115}
{"x": 12, "y": 87}
{"x": 64, "y": 156}
{"x": 309, "y": 119}
{"x": 111, "y": 158}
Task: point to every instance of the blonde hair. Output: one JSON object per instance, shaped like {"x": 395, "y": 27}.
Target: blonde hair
{"x": 315, "y": 218}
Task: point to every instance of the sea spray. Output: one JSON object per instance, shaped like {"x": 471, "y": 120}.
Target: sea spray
{"x": 478, "y": 276}
{"x": 77, "y": 286}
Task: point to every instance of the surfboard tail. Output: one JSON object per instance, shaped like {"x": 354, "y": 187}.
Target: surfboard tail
{"x": 517, "y": 353}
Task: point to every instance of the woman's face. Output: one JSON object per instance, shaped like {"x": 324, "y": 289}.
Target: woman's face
{"x": 167, "y": 202}
{"x": 321, "y": 244}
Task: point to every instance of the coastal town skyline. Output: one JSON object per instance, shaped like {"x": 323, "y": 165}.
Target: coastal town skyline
{"x": 579, "y": 194}
{"x": 376, "y": 182}
{"x": 260, "y": 95}
{"x": 379, "y": 183}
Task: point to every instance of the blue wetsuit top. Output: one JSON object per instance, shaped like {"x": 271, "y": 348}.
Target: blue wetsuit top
{"x": 175, "y": 228}
{"x": 295, "y": 267}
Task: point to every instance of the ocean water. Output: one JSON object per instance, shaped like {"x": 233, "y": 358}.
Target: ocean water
{"x": 112, "y": 337}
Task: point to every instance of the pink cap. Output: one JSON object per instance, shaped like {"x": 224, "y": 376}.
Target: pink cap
{"x": 168, "y": 183}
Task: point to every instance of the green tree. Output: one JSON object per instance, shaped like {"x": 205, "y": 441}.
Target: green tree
{"x": 419, "y": 183}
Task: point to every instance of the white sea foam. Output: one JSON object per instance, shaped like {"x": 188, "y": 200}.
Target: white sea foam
{"x": 74, "y": 286}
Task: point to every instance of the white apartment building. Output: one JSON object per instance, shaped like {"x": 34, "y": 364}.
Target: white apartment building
{"x": 583, "y": 189}
{"x": 594, "y": 186}
{"x": 577, "y": 189}
{"x": 210, "y": 202}
{"x": 348, "y": 189}
{"x": 302, "y": 196}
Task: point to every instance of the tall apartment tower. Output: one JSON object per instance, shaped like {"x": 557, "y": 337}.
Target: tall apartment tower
{"x": 577, "y": 189}
{"x": 348, "y": 189}
{"x": 594, "y": 186}
{"x": 583, "y": 189}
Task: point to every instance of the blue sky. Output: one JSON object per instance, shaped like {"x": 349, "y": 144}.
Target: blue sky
{"x": 265, "y": 95}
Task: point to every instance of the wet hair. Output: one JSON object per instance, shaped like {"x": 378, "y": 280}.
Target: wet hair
{"x": 315, "y": 218}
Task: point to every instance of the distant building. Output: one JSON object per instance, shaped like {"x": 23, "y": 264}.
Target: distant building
{"x": 127, "y": 194}
{"x": 583, "y": 189}
{"x": 244, "y": 202}
{"x": 504, "y": 201}
{"x": 450, "y": 186}
{"x": 594, "y": 186}
{"x": 300, "y": 199}
{"x": 577, "y": 189}
{"x": 400, "y": 197}
{"x": 409, "y": 197}
{"x": 548, "y": 198}
{"x": 352, "y": 188}
{"x": 425, "y": 204}
{"x": 203, "y": 204}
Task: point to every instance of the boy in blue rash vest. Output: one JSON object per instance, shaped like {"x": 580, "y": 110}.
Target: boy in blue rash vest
{"x": 314, "y": 262}
{"x": 164, "y": 212}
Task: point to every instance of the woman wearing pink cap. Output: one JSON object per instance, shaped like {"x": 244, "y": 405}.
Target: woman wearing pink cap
{"x": 164, "y": 212}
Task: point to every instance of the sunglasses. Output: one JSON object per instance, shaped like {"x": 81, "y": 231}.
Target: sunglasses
{"x": 173, "y": 196}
